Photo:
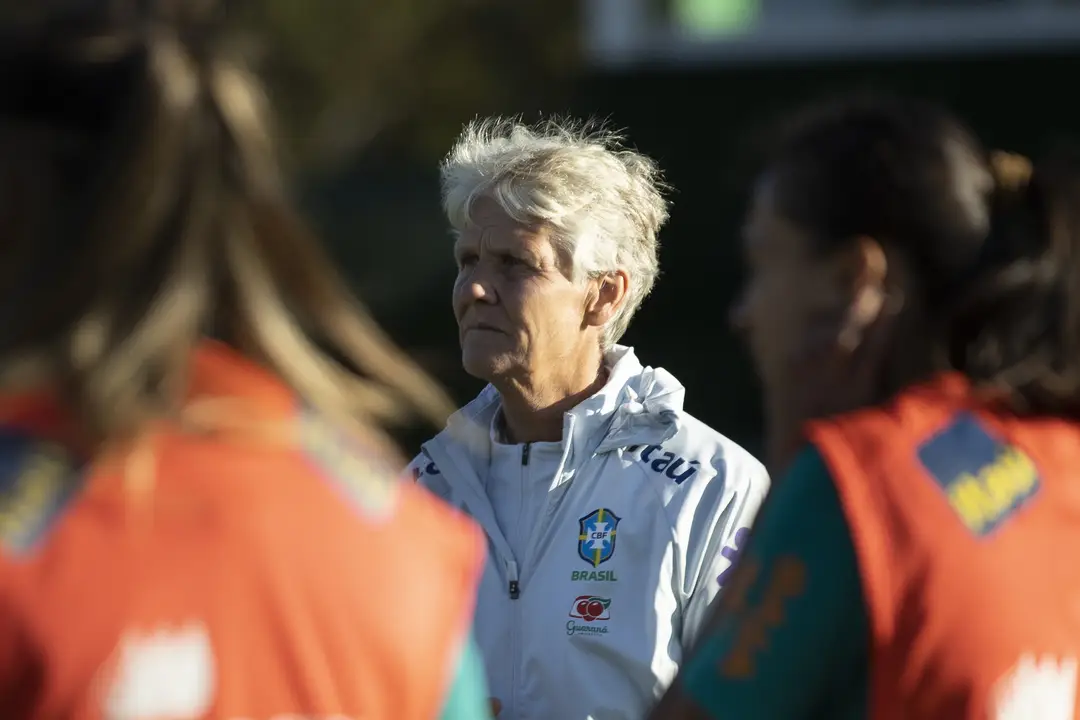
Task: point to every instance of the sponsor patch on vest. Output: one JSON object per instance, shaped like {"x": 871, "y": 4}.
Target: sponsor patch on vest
{"x": 38, "y": 480}
{"x": 1037, "y": 687}
{"x": 163, "y": 672}
{"x": 985, "y": 479}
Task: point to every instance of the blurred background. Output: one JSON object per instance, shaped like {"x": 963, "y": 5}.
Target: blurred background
{"x": 370, "y": 95}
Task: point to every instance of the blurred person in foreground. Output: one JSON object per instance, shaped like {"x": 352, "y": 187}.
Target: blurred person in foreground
{"x": 189, "y": 528}
{"x": 610, "y": 512}
{"x": 914, "y": 309}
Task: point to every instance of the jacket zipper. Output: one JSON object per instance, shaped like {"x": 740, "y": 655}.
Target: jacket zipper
{"x": 515, "y": 631}
{"x": 512, "y": 587}
{"x": 514, "y": 591}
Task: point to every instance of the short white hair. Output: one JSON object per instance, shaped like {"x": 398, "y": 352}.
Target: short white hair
{"x": 602, "y": 201}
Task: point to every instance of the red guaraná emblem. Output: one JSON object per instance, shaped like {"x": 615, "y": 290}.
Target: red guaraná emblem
{"x": 591, "y": 608}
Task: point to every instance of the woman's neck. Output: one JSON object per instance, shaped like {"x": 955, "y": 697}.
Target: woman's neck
{"x": 910, "y": 356}
{"x": 533, "y": 409}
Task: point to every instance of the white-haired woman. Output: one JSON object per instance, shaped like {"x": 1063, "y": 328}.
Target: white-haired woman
{"x": 611, "y": 514}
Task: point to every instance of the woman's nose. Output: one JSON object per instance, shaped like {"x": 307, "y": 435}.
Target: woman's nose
{"x": 479, "y": 286}
{"x": 476, "y": 289}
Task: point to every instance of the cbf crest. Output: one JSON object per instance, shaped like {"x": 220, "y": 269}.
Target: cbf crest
{"x": 596, "y": 536}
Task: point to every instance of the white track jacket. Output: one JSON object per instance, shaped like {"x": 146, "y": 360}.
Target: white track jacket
{"x": 627, "y": 543}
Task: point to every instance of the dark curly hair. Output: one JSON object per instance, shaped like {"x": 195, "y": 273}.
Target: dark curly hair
{"x": 992, "y": 238}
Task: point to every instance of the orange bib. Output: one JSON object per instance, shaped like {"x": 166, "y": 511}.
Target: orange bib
{"x": 966, "y": 525}
{"x": 251, "y": 580}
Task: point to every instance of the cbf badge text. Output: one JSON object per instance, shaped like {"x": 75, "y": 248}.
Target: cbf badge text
{"x": 596, "y": 539}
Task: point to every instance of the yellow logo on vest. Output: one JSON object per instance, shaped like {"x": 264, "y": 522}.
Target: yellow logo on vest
{"x": 981, "y": 499}
{"x": 985, "y": 479}
{"x": 37, "y": 482}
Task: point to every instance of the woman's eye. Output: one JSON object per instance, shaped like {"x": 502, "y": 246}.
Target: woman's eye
{"x": 467, "y": 260}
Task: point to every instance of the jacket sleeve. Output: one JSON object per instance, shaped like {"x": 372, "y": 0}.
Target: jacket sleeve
{"x": 415, "y": 469}
{"x": 423, "y": 470}
{"x": 718, "y": 519}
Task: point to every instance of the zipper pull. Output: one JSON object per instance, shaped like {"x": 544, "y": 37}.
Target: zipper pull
{"x": 512, "y": 585}
{"x": 525, "y": 453}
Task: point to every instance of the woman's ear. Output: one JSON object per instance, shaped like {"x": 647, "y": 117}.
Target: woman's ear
{"x": 605, "y": 297}
{"x": 867, "y": 268}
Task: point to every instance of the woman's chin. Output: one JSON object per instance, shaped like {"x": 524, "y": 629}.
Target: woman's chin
{"x": 483, "y": 364}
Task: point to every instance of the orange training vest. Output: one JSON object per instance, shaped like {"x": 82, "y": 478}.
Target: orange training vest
{"x": 249, "y": 580}
{"x": 966, "y": 526}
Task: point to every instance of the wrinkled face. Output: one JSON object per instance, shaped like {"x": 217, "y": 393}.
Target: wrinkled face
{"x": 516, "y": 307}
{"x": 791, "y": 310}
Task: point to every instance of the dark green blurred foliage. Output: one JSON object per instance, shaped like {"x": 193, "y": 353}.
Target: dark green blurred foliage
{"x": 370, "y": 95}
{"x": 349, "y": 75}
{"x": 707, "y": 128}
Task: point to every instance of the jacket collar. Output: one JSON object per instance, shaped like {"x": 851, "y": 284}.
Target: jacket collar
{"x": 637, "y": 405}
